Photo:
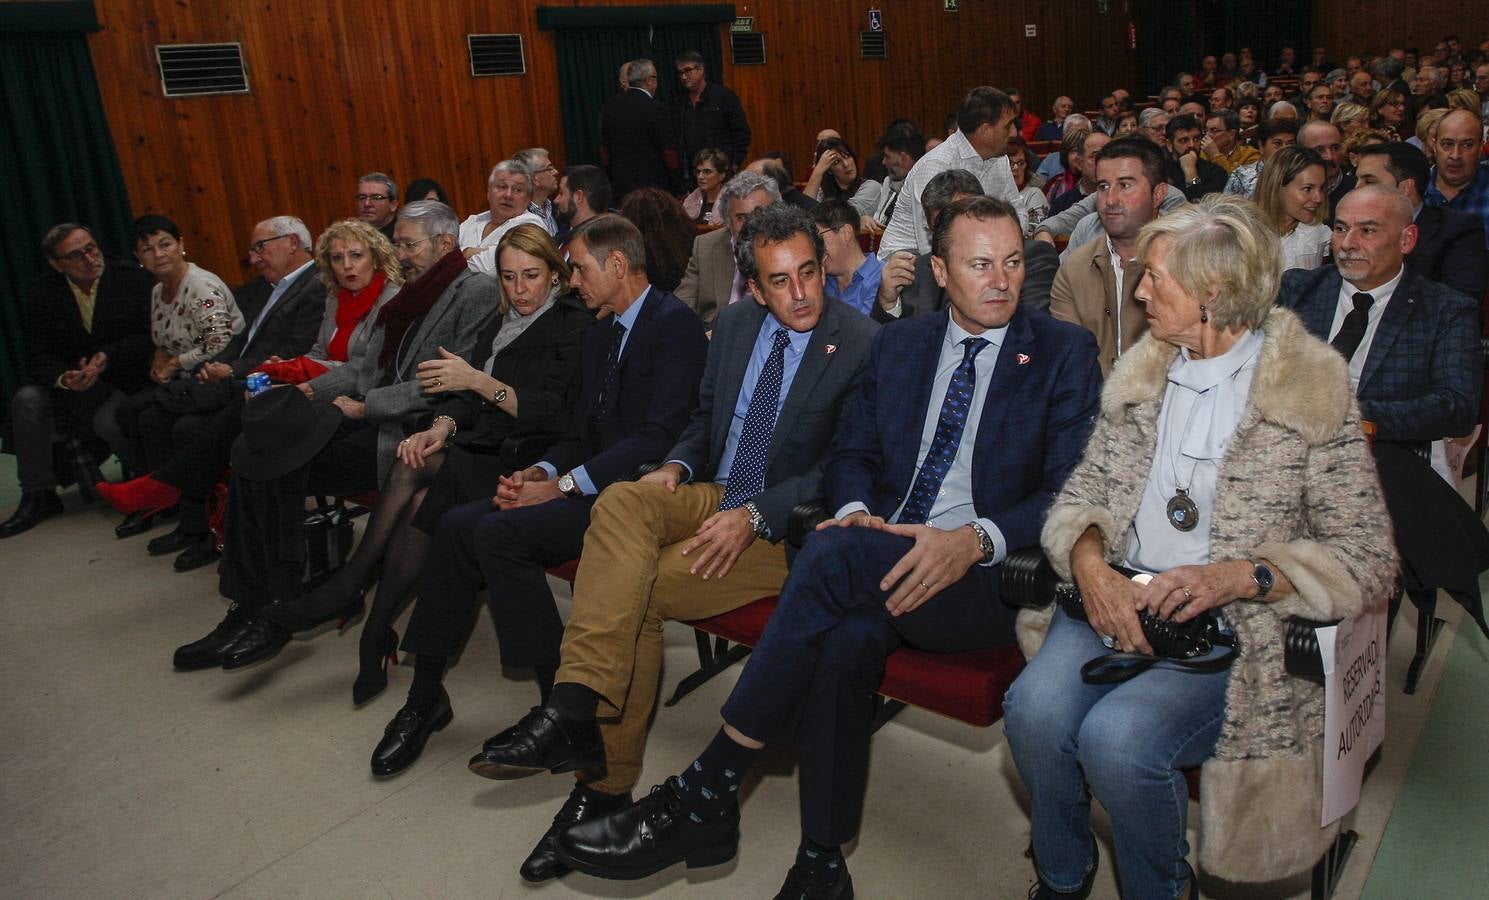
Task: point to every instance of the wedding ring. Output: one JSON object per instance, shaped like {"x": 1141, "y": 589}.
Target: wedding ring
{"x": 924, "y": 585}
{"x": 1187, "y": 595}
{"x": 437, "y": 382}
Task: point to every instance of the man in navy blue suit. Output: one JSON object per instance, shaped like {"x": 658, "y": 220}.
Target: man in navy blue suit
{"x": 1412, "y": 344}
{"x": 963, "y": 428}
{"x": 639, "y": 370}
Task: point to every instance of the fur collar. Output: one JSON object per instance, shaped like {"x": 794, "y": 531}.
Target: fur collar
{"x": 1301, "y": 384}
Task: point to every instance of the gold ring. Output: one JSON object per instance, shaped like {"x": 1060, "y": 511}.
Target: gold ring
{"x": 437, "y": 382}
{"x": 924, "y": 585}
{"x": 1187, "y": 594}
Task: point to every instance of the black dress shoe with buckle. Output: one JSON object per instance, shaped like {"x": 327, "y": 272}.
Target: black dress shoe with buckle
{"x": 816, "y": 884}
{"x": 648, "y": 836}
{"x": 34, "y": 508}
{"x": 201, "y": 553}
{"x": 174, "y": 542}
{"x": 583, "y": 804}
{"x": 261, "y": 640}
{"x": 404, "y": 738}
{"x": 543, "y": 740}
{"x": 206, "y": 653}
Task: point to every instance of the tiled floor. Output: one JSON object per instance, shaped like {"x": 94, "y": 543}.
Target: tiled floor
{"x": 123, "y": 778}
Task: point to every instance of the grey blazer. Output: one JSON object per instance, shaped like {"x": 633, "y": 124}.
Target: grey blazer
{"x": 453, "y": 322}
{"x": 356, "y": 345}
{"x": 834, "y": 358}
{"x": 709, "y": 280}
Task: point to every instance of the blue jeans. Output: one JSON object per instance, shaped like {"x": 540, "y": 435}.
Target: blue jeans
{"x": 1124, "y": 743}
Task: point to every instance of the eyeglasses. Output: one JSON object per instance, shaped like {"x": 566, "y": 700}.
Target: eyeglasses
{"x": 257, "y": 247}
{"x": 377, "y": 198}
{"x": 81, "y": 254}
{"x": 702, "y": 171}
{"x": 408, "y": 246}
{"x": 683, "y": 70}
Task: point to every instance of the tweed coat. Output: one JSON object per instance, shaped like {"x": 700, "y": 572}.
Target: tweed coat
{"x": 1297, "y": 486}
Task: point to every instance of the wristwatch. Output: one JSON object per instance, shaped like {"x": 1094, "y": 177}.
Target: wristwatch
{"x": 985, "y": 541}
{"x": 568, "y": 486}
{"x": 757, "y": 520}
{"x": 1264, "y": 580}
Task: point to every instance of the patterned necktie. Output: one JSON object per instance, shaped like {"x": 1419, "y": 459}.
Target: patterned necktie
{"x": 747, "y": 471}
{"x": 606, "y": 398}
{"x": 1347, "y": 341}
{"x": 948, "y": 437}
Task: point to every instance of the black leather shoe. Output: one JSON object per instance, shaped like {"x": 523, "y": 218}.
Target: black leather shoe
{"x": 314, "y": 609}
{"x": 648, "y": 836}
{"x": 141, "y": 521}
{"x": 174, "y": 542}
{"x": 1042, "y": 891}
{"x": 261, "y": 640}
{"x": 583, "y": 804}
{"x": 34, "y": 508}
{"x": 814, "y": 884}
{"x": 201, "y": 553}
{"x": 404, "y": 738}
{"x": 541, "y": 741}
{"x": 207, "y": 652}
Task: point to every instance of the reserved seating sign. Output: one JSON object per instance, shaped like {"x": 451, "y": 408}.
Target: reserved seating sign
{"x": 1354, "y": 657}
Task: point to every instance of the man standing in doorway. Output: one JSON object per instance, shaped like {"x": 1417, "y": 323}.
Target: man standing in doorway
{"x": 709, "y": 116}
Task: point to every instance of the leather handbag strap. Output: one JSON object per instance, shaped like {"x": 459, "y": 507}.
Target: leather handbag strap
{"x": 1114, "y": 668}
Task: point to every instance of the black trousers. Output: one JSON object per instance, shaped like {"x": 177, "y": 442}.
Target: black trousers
{"x": 813, "y": 676}
{"x": 264, "y": 545}
{"x": 38, "y": 413}
{"x": 196, "y": 468}
{"x": 506, "y": 551}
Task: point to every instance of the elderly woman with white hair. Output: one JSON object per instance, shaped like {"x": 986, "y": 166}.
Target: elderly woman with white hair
{"x": 1228, "y": 462}
{"x": 509, "y": 191}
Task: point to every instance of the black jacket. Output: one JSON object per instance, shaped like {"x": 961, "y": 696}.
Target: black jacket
{"x": 1212, "y": 178}
{"x": 56, "y": 338}
{"x": 636, "y": 143}
{"x": 717, "y": 121}
{"x": 1450, "y": 250}
{"x": 542, "y": 366}
{"x": 288, "y": 331}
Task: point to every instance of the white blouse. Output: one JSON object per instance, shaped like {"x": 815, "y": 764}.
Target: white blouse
{"x": 1202, "y": 406}
{"x": 1306, "y": 246}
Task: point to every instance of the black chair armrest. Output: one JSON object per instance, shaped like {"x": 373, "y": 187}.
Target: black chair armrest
{"x": 805, "y": 517}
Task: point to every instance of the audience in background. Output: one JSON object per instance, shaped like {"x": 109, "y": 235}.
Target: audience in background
{"x": 377, "y": 202}
{"x": 666, "y": 232}
{"x": 711, "y": 169}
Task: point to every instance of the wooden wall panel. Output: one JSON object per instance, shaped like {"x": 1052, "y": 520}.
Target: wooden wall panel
{"x": 1350, "y": 26}
{"x": 341, "y": 88}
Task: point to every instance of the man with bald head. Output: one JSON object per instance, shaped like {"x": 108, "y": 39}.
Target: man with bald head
{"x": 1325, "y": 139}
{"x": 1460, "y": 179}
{"x": 1412, "y": 344}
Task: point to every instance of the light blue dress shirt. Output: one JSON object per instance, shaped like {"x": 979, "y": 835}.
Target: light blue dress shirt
{"x": 863, "y": 288}
{"x": 274, "y": 295}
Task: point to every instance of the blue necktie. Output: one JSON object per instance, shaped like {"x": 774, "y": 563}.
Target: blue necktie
{"x": 747, "y": 472}
{"x": 948, "y": 436}
{"x": 606, "y": 398}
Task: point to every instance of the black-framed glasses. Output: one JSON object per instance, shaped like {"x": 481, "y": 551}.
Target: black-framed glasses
{"x": 378, "y": 198}
{"x": 691, "y": 67}
{"x": 81, "y": 254}
{"x": 408, "y": 246}
{"x": 257, "y": 247}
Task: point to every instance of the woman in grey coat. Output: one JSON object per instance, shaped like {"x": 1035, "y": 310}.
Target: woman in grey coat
{"x": 1228, "y": 460}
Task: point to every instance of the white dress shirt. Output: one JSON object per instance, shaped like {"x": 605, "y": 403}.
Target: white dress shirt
{"x": 1346, "y": 304}
{"x": 907, "y": 229}
{"x": 470, "y": 236}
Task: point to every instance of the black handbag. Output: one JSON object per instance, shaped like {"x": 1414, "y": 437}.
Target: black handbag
{"x": 328, "y": 543}
{"x": 1178, "y": 645}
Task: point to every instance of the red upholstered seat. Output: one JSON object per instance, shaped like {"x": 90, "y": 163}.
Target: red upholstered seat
{"x": 368, "y": 499}
{"x": 968, "y": 686}
{"x": 565, "y": 570}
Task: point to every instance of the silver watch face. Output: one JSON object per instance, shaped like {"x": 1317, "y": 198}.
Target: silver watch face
{"x": 566, "y": 483}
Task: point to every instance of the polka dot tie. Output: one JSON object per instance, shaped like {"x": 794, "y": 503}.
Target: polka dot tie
{"x": 606, "y": 399}
{"x": 948, "y": 436}
{"x": 747, "y": 472}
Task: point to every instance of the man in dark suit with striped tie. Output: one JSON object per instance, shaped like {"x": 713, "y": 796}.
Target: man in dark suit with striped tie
{"x": 963, "y": 429}
{"x": 703, "y": 534}
{"x": 639, "y": 371}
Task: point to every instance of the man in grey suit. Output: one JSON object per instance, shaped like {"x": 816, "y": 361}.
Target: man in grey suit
{"x": 711, "y": 281}
{"x": 702, "y": 535}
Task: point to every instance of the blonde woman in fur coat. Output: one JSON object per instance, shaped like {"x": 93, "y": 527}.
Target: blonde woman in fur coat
{"x": 1227, "y": 460}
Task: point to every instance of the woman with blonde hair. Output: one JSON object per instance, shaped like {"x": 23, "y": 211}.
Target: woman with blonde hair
{"x": 1227, "y": 463}
{"x": 1351, "y": 118}
{"x": 1293, "y": 195}
{"x": 490, "y": 417}
{"x": 1426, "y": 132}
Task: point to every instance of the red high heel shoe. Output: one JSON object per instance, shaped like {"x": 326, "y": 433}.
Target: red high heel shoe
{"x": 137, "y": 494}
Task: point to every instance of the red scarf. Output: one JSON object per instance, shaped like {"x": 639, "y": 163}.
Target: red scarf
{"x": 351, "y": 307}
{"x": 416, "y": 299}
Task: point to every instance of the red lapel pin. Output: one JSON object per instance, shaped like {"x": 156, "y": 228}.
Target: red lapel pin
{"x": 832, "y": 348}
{"x": 1023, "y": 359}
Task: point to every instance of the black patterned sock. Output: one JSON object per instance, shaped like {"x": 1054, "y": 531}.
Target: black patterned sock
{"x": 711, "y": 782}
{"x": 813, "y": 856}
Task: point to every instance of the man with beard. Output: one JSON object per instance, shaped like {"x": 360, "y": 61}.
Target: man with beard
{"x": 583, "y": 193}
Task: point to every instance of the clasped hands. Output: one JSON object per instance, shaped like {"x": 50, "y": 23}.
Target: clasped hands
{"x": 939, "y": 559}
{"x": 1113, "y": 601}
{"x": 86, "y": 374}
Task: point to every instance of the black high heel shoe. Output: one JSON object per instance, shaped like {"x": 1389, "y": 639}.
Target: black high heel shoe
{"x": 375, "y": 654}
{"x": 315, "y": 609}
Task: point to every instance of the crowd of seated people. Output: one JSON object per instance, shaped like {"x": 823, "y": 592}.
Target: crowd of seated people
{"x": 1253, "y": 262}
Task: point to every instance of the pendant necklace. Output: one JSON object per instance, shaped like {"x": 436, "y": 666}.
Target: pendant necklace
{"x": 1182, "y": 512}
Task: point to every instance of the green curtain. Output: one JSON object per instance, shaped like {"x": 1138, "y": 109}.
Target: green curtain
{"x": 590, "y": 54}
{"x": 57, "y": 164}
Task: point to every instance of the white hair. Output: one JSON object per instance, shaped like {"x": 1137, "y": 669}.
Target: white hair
{"x": 1077, "y": 122}
{"x": 434, "y": 217}
{"x": 282, "y": 225}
